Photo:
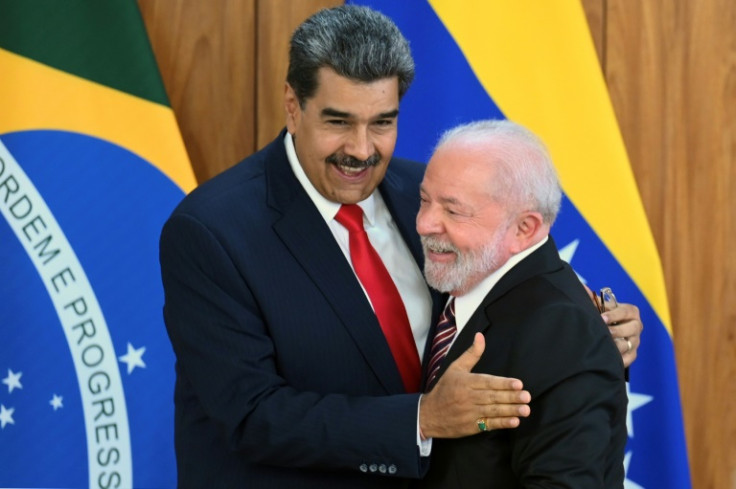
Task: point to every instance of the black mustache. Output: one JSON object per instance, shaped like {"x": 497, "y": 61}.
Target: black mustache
{"x": 352, "y": 162}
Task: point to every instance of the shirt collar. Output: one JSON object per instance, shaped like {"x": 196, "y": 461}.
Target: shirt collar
{"x": 466, "y": 304}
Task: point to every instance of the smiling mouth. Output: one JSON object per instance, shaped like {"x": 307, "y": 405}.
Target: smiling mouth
{"x": 351, "y": 166}
{"x": 435, "y": 246}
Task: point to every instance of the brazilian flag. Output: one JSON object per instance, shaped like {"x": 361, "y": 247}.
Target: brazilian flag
{"x": 534, "y": 62}
{"x": 91, "y": 164}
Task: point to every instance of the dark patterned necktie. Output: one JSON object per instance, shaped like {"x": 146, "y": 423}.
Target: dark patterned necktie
{"x": 384, "y": 296}
{"x": 445, "y": 333}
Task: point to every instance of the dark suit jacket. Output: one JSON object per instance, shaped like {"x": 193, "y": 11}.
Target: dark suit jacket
{"x": 541, "y": 327}
{"x": 284, "y": 378}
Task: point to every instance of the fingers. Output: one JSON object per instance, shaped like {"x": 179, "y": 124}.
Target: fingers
{"x": 624, "y": 314}
{"x": 625, "y": 326}
{"x": 460, "y": 398}
{"x": 628, "y": 348}
{"x": 501, "y": 423}
{"x": 504, "y": 411}
{"x": 470, "y": 357}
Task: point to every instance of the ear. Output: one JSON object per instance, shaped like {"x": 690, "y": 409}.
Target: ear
{"x": 292, "y": 108}
{"x": 526, "y": 230}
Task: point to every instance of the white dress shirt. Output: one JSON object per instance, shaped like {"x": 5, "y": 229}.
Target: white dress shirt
{"x": 466, "y": 304}
{"x": 386, "y": 239}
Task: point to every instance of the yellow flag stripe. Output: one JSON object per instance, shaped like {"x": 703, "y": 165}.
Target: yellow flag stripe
{"x": 35, "y": 96}
{"x": 536, "y": 58}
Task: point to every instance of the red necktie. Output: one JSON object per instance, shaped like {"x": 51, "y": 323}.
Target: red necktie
{"x": 384, "y": 296}
{"x": 446, "y": 330}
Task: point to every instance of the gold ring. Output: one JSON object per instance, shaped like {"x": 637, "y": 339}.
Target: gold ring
{"x": 629, "y": 347}
{"x": 482, "y": 426}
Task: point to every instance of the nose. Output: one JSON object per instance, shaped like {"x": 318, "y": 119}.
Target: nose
{"x": 428, "y": 222}
{"x": 359, "y": 144}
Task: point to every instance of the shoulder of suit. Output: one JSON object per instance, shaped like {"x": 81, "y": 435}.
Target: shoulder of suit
{"x": 243, "y": 181}
{"x": 405, "y": 170}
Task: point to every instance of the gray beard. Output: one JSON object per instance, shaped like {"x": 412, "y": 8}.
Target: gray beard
{"x": 468, "y": 269}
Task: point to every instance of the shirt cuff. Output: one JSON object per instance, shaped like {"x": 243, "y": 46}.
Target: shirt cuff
{"x": 424, "y": 444}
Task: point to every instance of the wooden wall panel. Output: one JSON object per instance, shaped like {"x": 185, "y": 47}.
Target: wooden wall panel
{"x": 671, "y": 72}
{"x": 206, "y": 54}
{"x": 594, "y": 12}
{"x": 277, "y": 19}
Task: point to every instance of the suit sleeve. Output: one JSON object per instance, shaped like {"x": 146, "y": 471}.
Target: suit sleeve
{"x": 575, "y": 377}
{"x": 227, "y": 357}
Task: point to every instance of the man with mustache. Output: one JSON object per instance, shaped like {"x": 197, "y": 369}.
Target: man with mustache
{"x": 295, "y": 301}
{"x": 488, "y": 200}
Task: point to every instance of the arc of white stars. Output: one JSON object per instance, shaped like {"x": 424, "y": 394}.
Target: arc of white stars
{"x": 13, "y": 381}
{"x": 133, "y": 358}
{"x": 57, "y": 402}
{"x": 6, "y": 416}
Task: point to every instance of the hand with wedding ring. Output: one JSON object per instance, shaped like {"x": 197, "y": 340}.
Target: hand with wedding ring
{"x": 625, "y": 327}
{"x": 463, "y": 403}
{"x": 623, "y": 322}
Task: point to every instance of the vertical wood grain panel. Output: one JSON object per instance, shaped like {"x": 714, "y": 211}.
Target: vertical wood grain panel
{"x": 594, "y": 11}
{"x": 277, "y": 19}
{"x": 671, "y": 71}
{"x": 206, "y": 54}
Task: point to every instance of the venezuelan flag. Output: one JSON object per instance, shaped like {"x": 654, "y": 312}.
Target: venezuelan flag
{"x": 534, "y": 63}
{"x": 91, "y": 164}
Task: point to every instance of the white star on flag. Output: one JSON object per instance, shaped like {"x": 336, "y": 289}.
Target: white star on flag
{"x": 134, "y": 357}
{"x": 13, "y": 380}
{"x": 635, "y": 402}
{"x": 568, "y": 252}
{"x": 56, "y": 402}
{"x": 6, "y": 416}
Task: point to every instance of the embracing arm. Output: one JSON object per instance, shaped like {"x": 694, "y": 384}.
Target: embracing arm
{"x": 236, "y": 360}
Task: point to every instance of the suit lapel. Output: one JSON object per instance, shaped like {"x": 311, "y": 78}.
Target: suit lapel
{"x": 305, "y": 233}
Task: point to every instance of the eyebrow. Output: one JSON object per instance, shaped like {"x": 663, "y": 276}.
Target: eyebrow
{"x": 330, "y": 112}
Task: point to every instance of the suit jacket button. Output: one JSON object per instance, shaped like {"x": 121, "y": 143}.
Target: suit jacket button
{"x": 373, "y": 467}
{"x": 382, "y": 468}
{"x": 392, "y": 469}
{"x": 363, "y": 468}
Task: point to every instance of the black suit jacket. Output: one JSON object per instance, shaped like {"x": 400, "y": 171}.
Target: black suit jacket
{"x": 541, "y": 327}
{"x": 284, "y": 377}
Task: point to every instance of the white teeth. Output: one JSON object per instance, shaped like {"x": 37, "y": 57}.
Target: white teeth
{"x": 350, "y": 170}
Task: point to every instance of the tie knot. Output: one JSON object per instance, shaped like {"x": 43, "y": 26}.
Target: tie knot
{"x": 350, "y": 216}
{"x": 448, "y": 314}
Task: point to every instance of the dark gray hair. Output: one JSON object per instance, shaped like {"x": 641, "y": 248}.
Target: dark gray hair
{"x": 526, "y": 178}
{"x": 357, "y": 42}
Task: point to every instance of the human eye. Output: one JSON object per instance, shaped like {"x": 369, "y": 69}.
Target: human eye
{"x": 457, "y": 212}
